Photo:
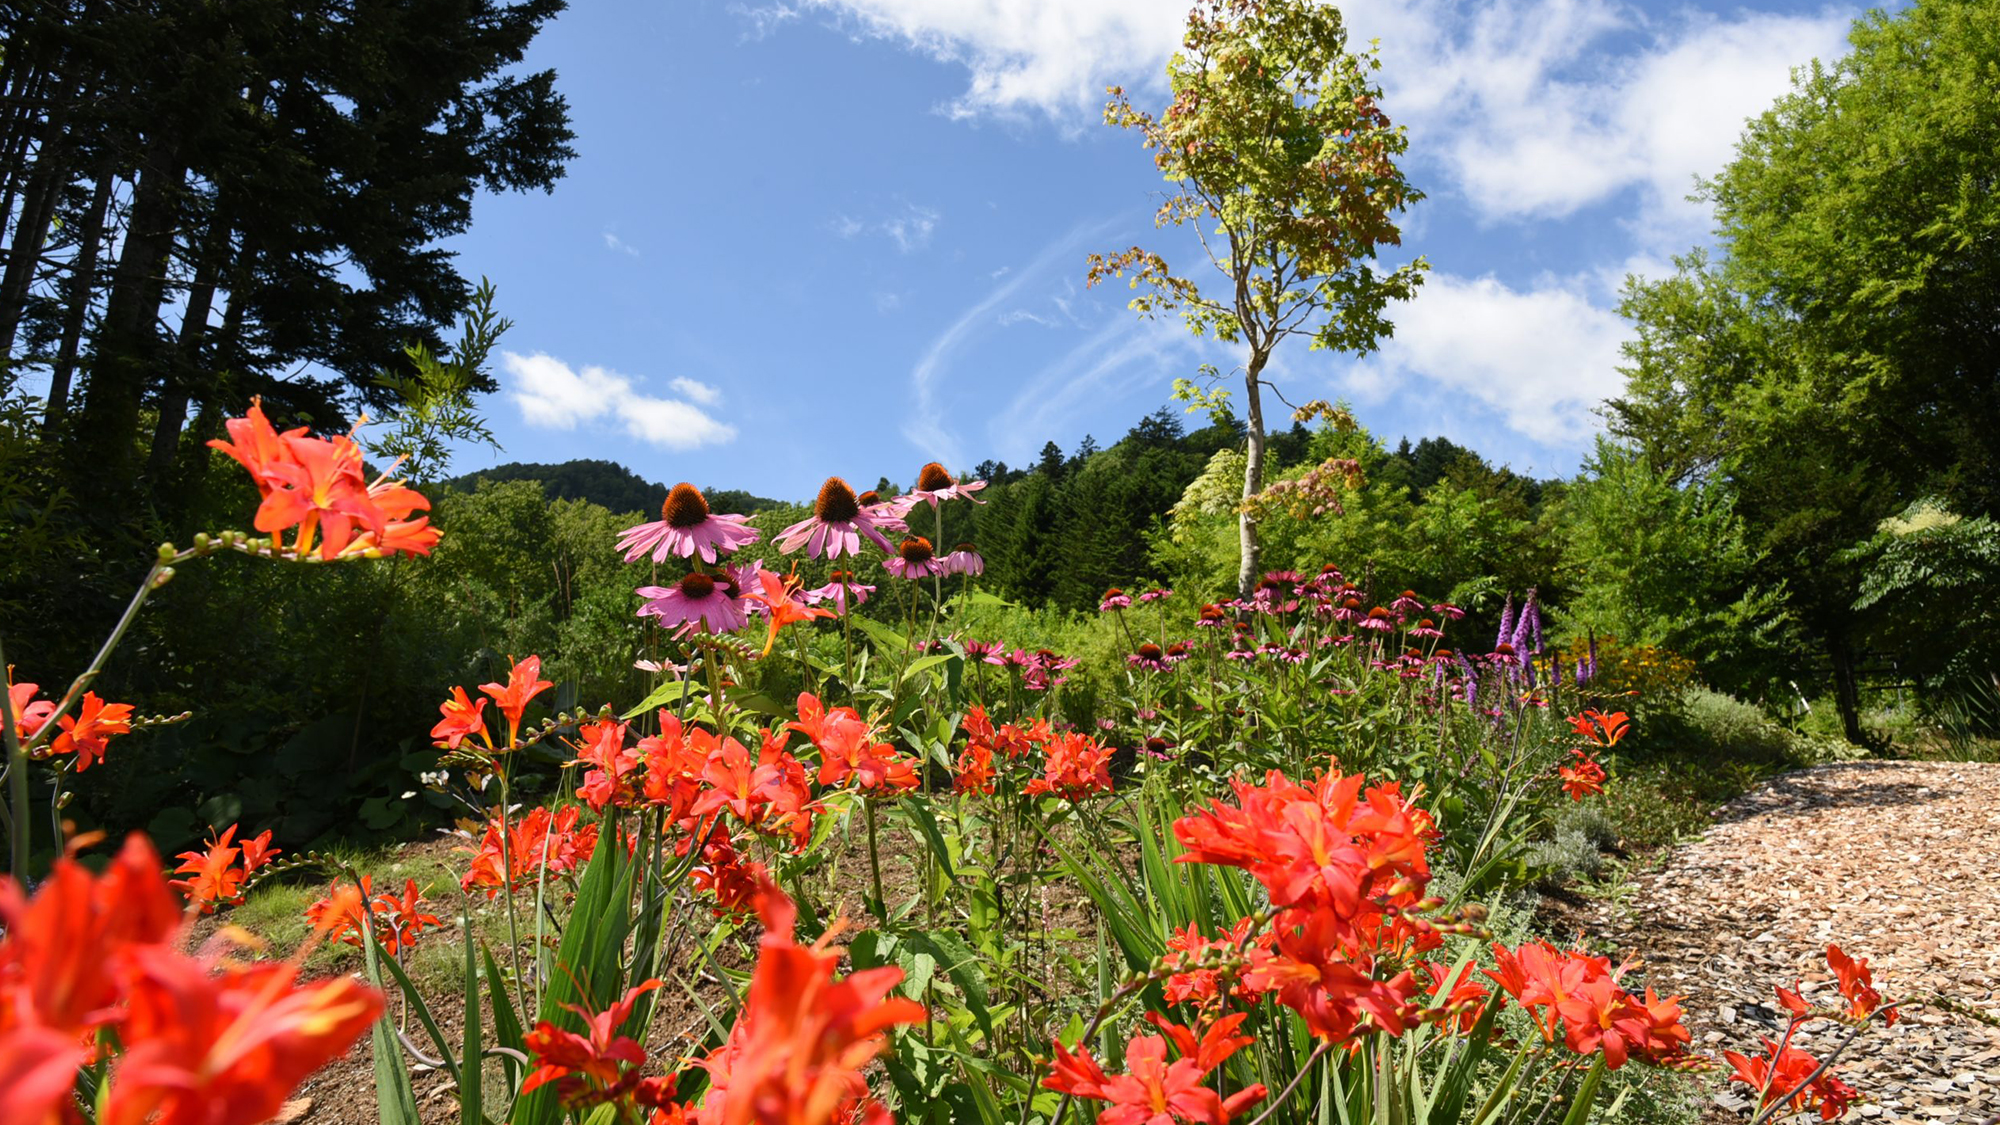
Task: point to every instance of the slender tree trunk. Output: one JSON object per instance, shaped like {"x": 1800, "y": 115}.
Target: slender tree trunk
{"x": 128, "y": 342}
{"x": 38, "y": 209}
{"x": 1248, "y": 568}
{"x": 1846, "y": 692}
{"x": 83, "y": 291}
{"x": 186, "y": 368}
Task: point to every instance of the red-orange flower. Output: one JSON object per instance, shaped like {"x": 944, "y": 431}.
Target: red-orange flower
{"x": 531, "y": 840}
{"x": 319, "y": 485}
{"x": 1582, "y": 777}
{"x": 975, "y": 769}
{"x": 769, "y": 795}
{"x": 1857, "y": 984}
{"x": 589, "y": 1069}
{"x": 1077, "y": 767}
{"x": 1153, "y": 1091}
{"x": 214, "y": 878}
{"x": 796, "y": 1053}
{"x": 1600, "y": 728}
{"x": 1780, "y": 1077}
{"x": 58, "y": 955}
{"x": 87, "y": 733}
{"x": 775, "y": 593}
{"x": 30, "y": 714}
{"x": 612, "y": 778}
{"x": 227, "y": 1048}
{"x": 524, "y": 682}
{"x": 398, "y": 921}
{"x": 1203, "y": 986}
{"x": 463, "y": 716}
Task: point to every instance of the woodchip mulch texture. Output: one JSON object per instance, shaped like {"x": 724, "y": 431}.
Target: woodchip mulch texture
{"x": 1897, "y": 862}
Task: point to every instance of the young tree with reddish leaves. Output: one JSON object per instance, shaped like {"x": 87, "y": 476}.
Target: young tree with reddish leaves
{"x": 1282, "y": 160}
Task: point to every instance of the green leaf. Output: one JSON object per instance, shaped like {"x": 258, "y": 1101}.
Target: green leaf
{"x": 662, "y": 696}
{"x": 470, "y": 1093}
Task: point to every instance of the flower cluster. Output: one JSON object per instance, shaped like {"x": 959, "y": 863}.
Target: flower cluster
{"x": 1154, "y": 1091}
{"x": 515, "y": 856}
{"x": 85, "y": 734}
{"x": 344, "y": 916}
{"x": 215, "y": 877}
{"x": 1794, "y": 1080}
{"x": 1578, "y": 995}
{"x": 320, "y": 487}
{"x": 203, "y": 1040}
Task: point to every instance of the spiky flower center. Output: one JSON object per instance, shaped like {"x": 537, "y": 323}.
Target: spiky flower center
{"x": 1427, "y": 623}
{"x": 1150, "y": 651}
{"x": 1212, "y": 613}
{"x": 697, "y": 586}
{"x": 933, "y": 478}
{"x": 868, "y": 498}
{"x": 916, "y": 549}
{"x": 685, "y": 507}
{"x": 1378, "y": 613}
{"x": 1113, "y": 592}
{"x": 1503, "y": 649}
{"x": 837, "y": 502}
{"x": 841, "y": 576}
{"x": 1156, "y": 745}
{"x": 965, "y": 549}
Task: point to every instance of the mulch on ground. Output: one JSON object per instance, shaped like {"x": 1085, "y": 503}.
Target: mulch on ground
{"x": 1897, "y": 862}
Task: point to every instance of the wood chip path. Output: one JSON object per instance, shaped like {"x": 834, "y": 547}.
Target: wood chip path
{"x": 1898, "y": 862}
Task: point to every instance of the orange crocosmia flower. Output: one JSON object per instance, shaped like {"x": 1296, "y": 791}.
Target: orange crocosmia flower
{"x": 1076, "y": 767}
{"x": 798, "y": 1047}
{"x": 319, "y": 485}
{"x": 38, "y": 1068}
{"x": 59, "y": 953}
{"x": 1780, "y": 1077}
{"x": 463, "y": 716}
{"x": 1582, "y": 777}
{"x": 534, "y": 838}
{"x": 1600, "y": 728}
{"x": 1857, "y": 984}
{"x": 979, "y": 728}
{"x": 206, "y": 1048}
{"x": 673, "y": 770}
{"x": 30, "y": 714}
{"x": 724, "y": 875}
{"x": 1460, "y": 996}
{"x": 1316, "y": 969}
{"x": 213, "y": 877}
{"x": 768, "y": 795}
{"x": 341, "y": 915}
{"x": 1153, "y": 1091}
{"x": 975, "y": 769}
{"x": 524, "y": 682}
{"x": 1203, "y": 987}
{"x": 849, "y": 749}
{"x": 775, "y": 593}
{"x": 257, "y": 851}
{"x": 589, "y": 1069}
{"x": 91, "y": 728}
{"x": 611, "y": 780}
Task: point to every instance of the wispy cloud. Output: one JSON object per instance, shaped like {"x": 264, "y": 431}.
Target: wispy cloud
{"x": 925, "y": 427}
{"x": 764, "y": 19}
{"x": 613, "y": 242}
{"x": 554, "y": 395}
{"x": 910, "y": 228}
{"x": 697, "y": 390}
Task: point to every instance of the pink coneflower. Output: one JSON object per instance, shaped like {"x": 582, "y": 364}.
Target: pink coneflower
{"x": 1379, "y": 620}
{"x": 963, "y": 559}
{"x": 935, "y": 484}
{"x": 842, "y": 588}
{"x": 1156, "y": 595}
{"x": 659, "y": 666}
{"x": 914, "y": 559}
{"x": 986, "y": 652}
{"x": 1179, "y": 651}
{"x": 1349, "y": 609}
{"x": 1243, "y": 653}
{"x": 1149, "y": 657}
{"x": 1427, "y": 628}
{"x": 837, "y": 524}
{"x": 711, "y": 599}
{"x": 1448, "y": 611}
{"x": 1408, "y": 603}
{"x": 1157, "y": 748}
{"x": 1114, "y": 598}
{"x": 1212, "y": 616}
{"x": 684, "y": 527}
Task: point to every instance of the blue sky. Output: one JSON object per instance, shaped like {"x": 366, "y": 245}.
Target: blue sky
{"x": 805, "y": 237}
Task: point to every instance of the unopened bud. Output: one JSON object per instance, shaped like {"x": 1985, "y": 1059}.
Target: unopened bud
{"x": 201, "y": 541}
{"x": 62, "y": 801}
{"x": 165, "y": 576}
{"x": 167, "y": 552}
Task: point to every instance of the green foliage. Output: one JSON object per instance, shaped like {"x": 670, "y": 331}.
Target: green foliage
{"x": 435, "y": 406}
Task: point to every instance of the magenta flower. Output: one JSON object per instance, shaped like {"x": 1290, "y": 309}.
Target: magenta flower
{"x": 842, "y": 589}
{"x": 712, "y": 600}
{"x": 1114, "y": 598}
{"x": 1150, "y": 658}
{"x": 837, "y": 524}
{"x": 914, "y": 559}
{"x": 988, "y": 652}
{"x": 684, "y": 527}
{"x": 963, "y": 559}
{"x": 1427, "y": 629}
{"x": 1448, "y": 611}
{"x": 1156, "y": 595}
{"x": 934, "y": 484}
{"x": 1379, "y": 620}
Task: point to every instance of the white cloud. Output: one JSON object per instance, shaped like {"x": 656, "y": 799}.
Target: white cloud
{"x": 613, "y": 242}
{"x": 845, "y": 227}
{"x": 765, "y": 19}
{"x": 1541, "y": 358}
{"x": 1533, "y": 108}
{"x": 912, "y": 229}
{"x": 1052, "y": 57}
{"x": 553, "y": 395}
{"x": 695, "y": 389}
{"x": 886, "y": 303}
